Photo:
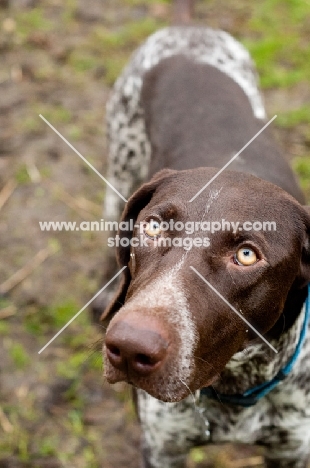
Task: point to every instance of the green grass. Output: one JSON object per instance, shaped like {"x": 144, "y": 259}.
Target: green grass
{"x": 113, "y": 48}
{"x": 56, "y": 316}
{"x": 197, "y": 455}
{"x": 63, "y": 312}
{"x": 55, "y": 114}
{"x": 5, "y": 302}
{"x": 294, "y": 117}
{"x": 4, "y": 328}
{"x": 34, "y": 19}
{"x": 279, "y": 42}
{"x": 19, "y": 355}
{"x": 47, "y": 446}
{"x": 301, "y": 166}
{"x": 22, "y": 175}
{"x": 82, "y": 61}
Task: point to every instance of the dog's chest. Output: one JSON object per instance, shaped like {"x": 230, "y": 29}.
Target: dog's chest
{"x": 278, "y": 414}
{"x": 283, "y": 416}
{"x": 280, "y": 418}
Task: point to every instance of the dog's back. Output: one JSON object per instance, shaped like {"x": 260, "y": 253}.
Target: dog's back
{"x": 189, "y": 97}
{"x": 197, "y": 116}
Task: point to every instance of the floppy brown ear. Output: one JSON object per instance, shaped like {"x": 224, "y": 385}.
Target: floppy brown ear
{"x": 135, "y": 204}
{"x": 305, "y": 255}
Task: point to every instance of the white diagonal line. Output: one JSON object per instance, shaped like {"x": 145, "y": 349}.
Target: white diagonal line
{"x": 232, "y": 159}
{"x": 80, "y": 311}
{"x": 235, "y": 310}
{"x": 82, "y": 157}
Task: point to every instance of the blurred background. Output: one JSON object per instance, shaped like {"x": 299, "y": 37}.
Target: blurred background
{"x": 60, "y": 59}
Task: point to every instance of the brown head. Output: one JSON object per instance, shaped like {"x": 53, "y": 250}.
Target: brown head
{"x": 169, "y": 333}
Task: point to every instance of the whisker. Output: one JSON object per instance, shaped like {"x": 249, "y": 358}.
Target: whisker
{"x": 209, "y": 364}
{"x": 194, "y": 398}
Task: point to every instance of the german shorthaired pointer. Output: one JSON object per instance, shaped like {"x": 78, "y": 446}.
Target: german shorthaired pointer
{"x": 185, "y": 104}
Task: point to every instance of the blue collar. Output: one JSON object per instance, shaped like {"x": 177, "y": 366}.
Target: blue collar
{"x": 250, "y": 397}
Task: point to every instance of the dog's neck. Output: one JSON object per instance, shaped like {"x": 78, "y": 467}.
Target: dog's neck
{"x": 258, "y": 363}
{"x": 292, "y": 307}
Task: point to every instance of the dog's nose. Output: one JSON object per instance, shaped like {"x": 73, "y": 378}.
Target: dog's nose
{"x": 134, "y": 349}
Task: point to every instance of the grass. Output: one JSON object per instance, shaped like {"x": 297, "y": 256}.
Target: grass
{"x": 277, "y": 38}
{"x": 4, "y": 328}
{"x": 65, "y": 438}
{"x": 301, "y": 166}
{"x": 279, "y": 45}
{"x": 197, "y": 455}
{"x": 276, "y": 35}
{"x": 294, "y": 117}
{"x": 112, "y": 49}
{"x": 32, "y": 20}
{"x": 82, "y": 61}
{"x": 54, "y": 113}
{"x": 19, "y": 355}
{"x": 22, "y": 175}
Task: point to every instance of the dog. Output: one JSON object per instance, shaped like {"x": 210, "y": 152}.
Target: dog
{"x": 211, "y": 333}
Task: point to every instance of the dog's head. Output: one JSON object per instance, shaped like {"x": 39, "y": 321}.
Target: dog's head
{"x": 170, "y": 333}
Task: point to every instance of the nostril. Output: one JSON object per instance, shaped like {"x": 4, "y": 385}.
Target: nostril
{"x": 145, "y": 360}
{"x": 130, "y": 349}
{"x": 115, "y": 356}
{"x": 145, "y": 364}
{"x": 114, "y": 350}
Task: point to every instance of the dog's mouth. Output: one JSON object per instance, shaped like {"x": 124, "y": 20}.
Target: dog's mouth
{"x": 164, "y": 384}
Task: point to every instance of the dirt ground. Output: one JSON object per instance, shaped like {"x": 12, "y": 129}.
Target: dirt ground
{"x": 59, "y": 59}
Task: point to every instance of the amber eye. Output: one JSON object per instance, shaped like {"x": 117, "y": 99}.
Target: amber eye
{"x": 246, "y": 256}
{"x": 152, "y": 229}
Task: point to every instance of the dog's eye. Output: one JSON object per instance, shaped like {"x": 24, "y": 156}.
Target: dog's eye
{"x": 152, "y": 229}
{"x": 245, "y": 256}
